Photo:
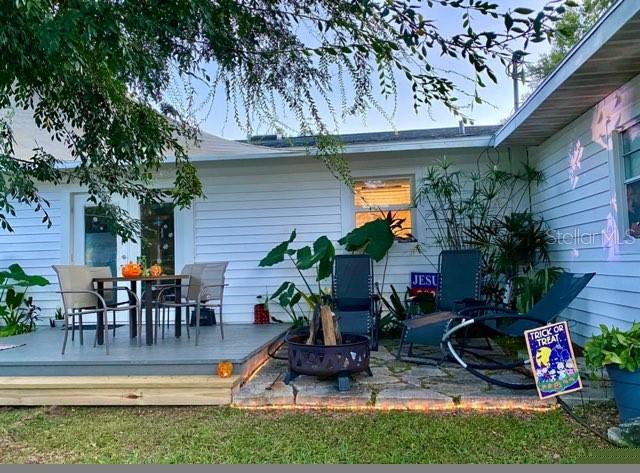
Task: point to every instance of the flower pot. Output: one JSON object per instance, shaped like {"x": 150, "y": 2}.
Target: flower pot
{"x": 626, "y": 386}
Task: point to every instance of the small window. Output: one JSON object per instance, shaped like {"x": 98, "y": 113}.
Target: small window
{"x": 631, "y": 166}
{"x": 375, "y": 197}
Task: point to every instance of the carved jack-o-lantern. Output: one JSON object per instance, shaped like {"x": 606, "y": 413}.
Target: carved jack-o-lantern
{"x": 225, "y": 369}
{"x": 155, "y": 271}
{"x": 131, "y": 270}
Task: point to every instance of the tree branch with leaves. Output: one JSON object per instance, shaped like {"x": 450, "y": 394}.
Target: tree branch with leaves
{"x": 96, "y": 76}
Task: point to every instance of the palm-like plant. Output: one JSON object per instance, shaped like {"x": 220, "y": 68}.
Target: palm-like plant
{"x": 511, "y": 244}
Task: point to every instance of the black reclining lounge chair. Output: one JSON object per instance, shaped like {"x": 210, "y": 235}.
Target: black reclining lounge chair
{"x": 459, "y": 285}
{"x": 355, "y": 304}
{"x": 498, "y": 321}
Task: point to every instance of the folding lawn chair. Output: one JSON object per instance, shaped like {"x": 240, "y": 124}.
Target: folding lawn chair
{"x": 498, "y": 321}
{"x": 355, "y": 304}
{"x": 459, "y": 286}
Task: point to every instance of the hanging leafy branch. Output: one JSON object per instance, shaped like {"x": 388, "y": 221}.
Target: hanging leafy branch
{"x": 97, "y": 77}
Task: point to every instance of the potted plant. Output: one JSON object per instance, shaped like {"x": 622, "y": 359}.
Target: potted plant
{"x": 59, "y": 315}
{"x": 619, "y": 352}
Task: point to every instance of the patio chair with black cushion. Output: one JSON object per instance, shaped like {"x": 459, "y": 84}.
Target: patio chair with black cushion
{"x": 79, "y": 298}
{"x": 498, "y": 322}
{"x": 458, "y": 286}
{"x": 355, "y": 304}
{"x": 205, "y": 289}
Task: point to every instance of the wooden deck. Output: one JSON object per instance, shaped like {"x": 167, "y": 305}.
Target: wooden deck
{"x": 173, "y": 372}
{"x": 116, "y": 390}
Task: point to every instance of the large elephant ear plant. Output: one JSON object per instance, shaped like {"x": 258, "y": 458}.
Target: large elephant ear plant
{"x": 289, "y": 295}
{"x": 374, "y": 238}
{"x": 16, "y": 309}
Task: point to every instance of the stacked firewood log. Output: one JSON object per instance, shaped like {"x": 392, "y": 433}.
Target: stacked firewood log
{"x": 325, "y": 319}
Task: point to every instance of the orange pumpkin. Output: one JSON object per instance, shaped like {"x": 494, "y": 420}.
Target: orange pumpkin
{"x": 155, "y": 270}
{"x": 225, "y": 369}
{"x": 131, "y": 270}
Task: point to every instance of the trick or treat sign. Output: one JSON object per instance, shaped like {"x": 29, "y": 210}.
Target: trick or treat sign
{"x": 552, "y": 360}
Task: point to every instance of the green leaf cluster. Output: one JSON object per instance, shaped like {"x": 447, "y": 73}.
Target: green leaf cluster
{"x": 374, "y": 238}
{"x": 16, "y": 310}
{"x": 614, "y": 347}
{"x": 474, "y": 208}
{"x": 289, "y": 295}
{"x": 573, "y": 23}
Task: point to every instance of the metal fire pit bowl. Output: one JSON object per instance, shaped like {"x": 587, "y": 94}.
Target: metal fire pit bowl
{"x": 325, "y": 361}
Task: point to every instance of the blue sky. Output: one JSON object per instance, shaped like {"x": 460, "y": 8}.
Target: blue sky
{"x": 500, "y": 96}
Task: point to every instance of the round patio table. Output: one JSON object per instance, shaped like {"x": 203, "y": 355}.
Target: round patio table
{"x": 147, "y": 283}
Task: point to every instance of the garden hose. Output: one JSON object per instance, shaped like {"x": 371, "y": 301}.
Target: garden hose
{"x": 566, "y": 408}
{"x": 272, "y": 354}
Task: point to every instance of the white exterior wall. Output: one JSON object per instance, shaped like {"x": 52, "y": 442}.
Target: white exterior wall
{"x": 36, "y": 247}
{"x": 251, "y": 206}
{"x": 581, "y": 196}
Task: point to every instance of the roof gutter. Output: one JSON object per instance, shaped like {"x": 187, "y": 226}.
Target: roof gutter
{"x": 377, "y": 147}
{"x": 614, "y": 19}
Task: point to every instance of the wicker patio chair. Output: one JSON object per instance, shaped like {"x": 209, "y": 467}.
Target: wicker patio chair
{"x": 79, "y": 298}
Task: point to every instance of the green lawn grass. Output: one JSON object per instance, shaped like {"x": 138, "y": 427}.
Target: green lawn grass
{"x": 225, "y": 435}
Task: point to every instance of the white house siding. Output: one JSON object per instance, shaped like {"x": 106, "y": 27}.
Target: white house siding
{"x": 253, "y": 205}
{"x": 583, "y": 200}
{"x": 36, "y": 247}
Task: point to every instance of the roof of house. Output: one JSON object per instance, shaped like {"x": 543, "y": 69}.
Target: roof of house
{"x": 604, "y": 60}
{"x": 29, "y": 136}
{"x": 349, "y": 139}
{"x": 214, "y": 148}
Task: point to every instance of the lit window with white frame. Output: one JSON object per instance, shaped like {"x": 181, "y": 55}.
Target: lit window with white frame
{"x": 631, "y": 165}
{"x": 375, "y": 197}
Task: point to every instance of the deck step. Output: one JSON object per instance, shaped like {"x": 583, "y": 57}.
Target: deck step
{"x": 116, "y": 390}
